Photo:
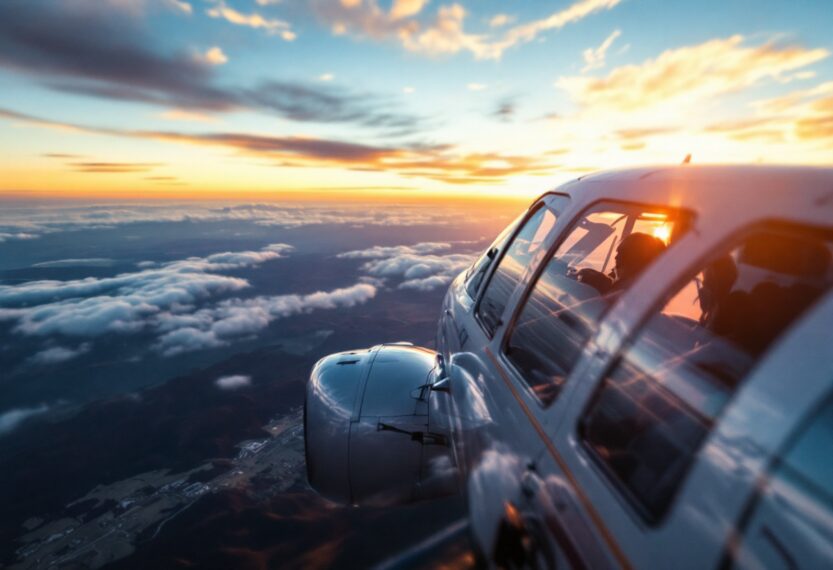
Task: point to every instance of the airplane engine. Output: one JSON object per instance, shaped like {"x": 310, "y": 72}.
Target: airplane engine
{"x": 368, "y": 437}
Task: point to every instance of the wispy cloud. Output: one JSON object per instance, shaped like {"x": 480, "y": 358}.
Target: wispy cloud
{"x": 252, "y": 20}
{"x": 685, "y": 75}
{"x": 99, "y": 53}
{"x": 114, "y": 167}
{"x": 594, "y": 58}
{"x": 437, "y": 162}
{"x": 58, "y": 354}
{"x": 446, "y": 33}
{"x": 11, "y": 419}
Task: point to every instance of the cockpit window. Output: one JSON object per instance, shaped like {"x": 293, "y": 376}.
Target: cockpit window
{"x": 512, "y": 265}
{"x": 661, "y": 399}
{"x": 602, "y": 254}
{"x": 477, "y": 272}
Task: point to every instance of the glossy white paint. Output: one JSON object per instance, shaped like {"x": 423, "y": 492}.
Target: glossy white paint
{"x": 521, "y": 463}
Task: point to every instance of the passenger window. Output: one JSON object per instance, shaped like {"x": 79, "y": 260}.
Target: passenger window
{"x": 666, "y": 390}
{"x": 603, "y": 253}
{"x": 512, "y": 266}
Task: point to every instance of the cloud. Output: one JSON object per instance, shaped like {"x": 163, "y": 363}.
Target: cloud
{"x": 98, "y": 52}
{"x": 220, "y": 324}
{"x": 687, "y": 75}
{"x": 233, "y": 382}
{"x": 58, "y": 354}
{"x": 252, "y": 20}
{"x": 594, "y": 58}
{"x": 445, "y": 33}
{"x": 113, "y": 167}
{"x": 5, "y": 236}
{"x": 77, "y": 262}
{"x": 162, "y": 300}
{"x": 214, "y": 56}
{"x": 378, "y": 251}
{"x": 125, "y": 303}
{"x": 180, "y": 6}
{"x": 414, "y": 160}
{"x": 329, "y": 104}
{"x": 91, "y": 48}
{"x": 326, "y": 77}
{"x": 418, "y": 266}
{"x": 406, "y": 8}
{"x": 505, "y": 109}
{"x": 11, "y": 419}
{"x": 279, "y": 248}
{"x": 30, "y": 223}
{"x": 500, "y": 20}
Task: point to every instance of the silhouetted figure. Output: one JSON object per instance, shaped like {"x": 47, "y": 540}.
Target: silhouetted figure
{"x": 634, "y": 254}
{"x": 723, "y": 309}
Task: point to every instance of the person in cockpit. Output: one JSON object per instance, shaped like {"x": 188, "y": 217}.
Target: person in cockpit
{"x": 634, "y": 254}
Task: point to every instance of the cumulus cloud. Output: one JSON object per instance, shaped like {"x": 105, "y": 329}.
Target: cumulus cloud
{"x": 214, "y": 56}
{"x": 417, "y": 266}
{"x": 162, "y": 299}
{"x": 378, "y": 251}
{"x": 220, "y": 324}
{"x": 233, "y": 382}
{"x": 127, "y": 302}
{"x": 58, "y": 354}
{"x": 11, "y": 419}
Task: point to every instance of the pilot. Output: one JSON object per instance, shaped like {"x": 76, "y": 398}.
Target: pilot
{"x": 634, "y": 254}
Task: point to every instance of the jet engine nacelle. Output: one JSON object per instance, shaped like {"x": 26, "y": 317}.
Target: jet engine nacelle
{"x": 367, "y": 429}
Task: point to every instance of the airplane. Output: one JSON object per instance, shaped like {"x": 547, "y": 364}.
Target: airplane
{"x": 637, "y": 373}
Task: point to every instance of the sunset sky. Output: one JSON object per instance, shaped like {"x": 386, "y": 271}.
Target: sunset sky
{"x": 232, "y": 98}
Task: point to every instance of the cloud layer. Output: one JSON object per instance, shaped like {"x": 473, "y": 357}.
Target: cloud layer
{"x": 171, "y": 300}
{"x": 417, "y": 266}
{"x": 18, "y": 223}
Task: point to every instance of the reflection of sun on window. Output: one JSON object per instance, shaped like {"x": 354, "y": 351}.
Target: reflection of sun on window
{"x": 663, "y": 232}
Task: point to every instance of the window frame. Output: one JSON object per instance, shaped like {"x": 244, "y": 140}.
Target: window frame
{"x": 470, "y": 273}
{"x": 725, "y": 245}
{"x": 685, "y": 216}
{"x": 487, "y": 280}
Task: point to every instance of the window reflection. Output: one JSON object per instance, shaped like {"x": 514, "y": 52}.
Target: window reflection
{"x": 512, "y": 266}
{"x": 659, "y": 402}
{"x": 606, "y": 250}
